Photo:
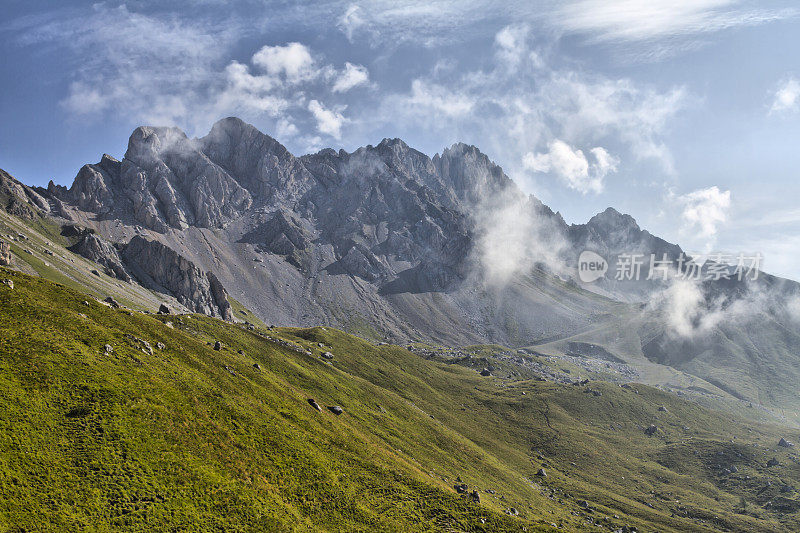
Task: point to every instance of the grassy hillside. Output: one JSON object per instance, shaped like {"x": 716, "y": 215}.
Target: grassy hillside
{"x": 112, "y": 419}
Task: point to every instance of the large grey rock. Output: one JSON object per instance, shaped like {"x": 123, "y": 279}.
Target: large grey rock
{"x": 284, "y": 234}
{"x": 97, "y": 249}
{"x": 163, "y": 269}
{"x": 5, "y": 253}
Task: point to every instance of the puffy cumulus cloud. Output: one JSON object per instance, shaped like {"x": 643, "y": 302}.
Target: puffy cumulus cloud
{"x": 787, "y": 97}
{"x": 329, "y": 121}
{"x": 572, "y": 166}
{"x": 352, "y": 76}
{"x": 702, "y": 212}
{"x": 292, "y": 61}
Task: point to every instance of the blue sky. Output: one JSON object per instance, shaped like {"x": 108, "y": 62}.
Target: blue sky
{"x": 683, "y": 113}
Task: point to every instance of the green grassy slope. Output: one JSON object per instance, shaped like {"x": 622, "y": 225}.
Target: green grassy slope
{"x": 186, "y": 437}
{"x": 44, "y": 252}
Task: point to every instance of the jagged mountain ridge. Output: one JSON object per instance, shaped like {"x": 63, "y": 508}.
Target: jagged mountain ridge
{"x": 384, "y": 236}
{"x": 382, "y": 208}
{"x": 383, "y": 231}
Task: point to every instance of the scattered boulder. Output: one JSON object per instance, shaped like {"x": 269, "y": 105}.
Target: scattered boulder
{"x": 475, "y": 496}
{"x": 217, "y": 346}
{"x": 164, "y": 310}
{"x": 541, "y": 473}
{"x": 335, "y": 409}
{"x": 327, "y": 355}
{"x": 772, "y": 462}
{"x": 651, "y": 430}
{"x": 160, "y": 345}
{"x": 257, "y": 366}
{"x": 112, "y": 302}
{"x": 513, "y": 511}
{"x": 108, "y": 348}
{"x": 486, "y": 372}
{"x": 313, "y": 403}
{"x": 733, "y": 469}
{"x": 662, "y": 409}
{"x": 8, "y": 283}
{"x": 5, "y": 253}
{"x": 461, "y": 488}
{"x": 785, "y": 443}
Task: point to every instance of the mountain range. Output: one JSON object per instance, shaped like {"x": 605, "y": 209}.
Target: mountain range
{"x": 390, "y": 244}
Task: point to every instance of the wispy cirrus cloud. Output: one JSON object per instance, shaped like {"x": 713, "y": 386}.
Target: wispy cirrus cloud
{"x": 661, "y": 28}
{"x": 640, "y": 20}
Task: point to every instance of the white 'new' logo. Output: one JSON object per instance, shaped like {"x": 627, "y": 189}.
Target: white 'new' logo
{"x": 591, "y": 266}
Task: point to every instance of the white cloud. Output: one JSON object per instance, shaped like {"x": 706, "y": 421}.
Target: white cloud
{"x": 293, "y": 61}
{"x": 329, "y": 121}
{"x": 572, "y": 166}
{"x": 352, "y": 76}
{"x": 285, "y": 129}
{"x": 512, "y": 49}
{"x": 512, "y": 239}
{"x": 686, "y": 311}
{"x": 787, "y": 97}
{"x": 426, "y": 97}
{"x": 702, "y": 212}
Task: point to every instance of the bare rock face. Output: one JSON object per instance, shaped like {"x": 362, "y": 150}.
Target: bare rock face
{"x": 284, "y": 234}
{"x": 262, "y": 165}
{"x": 5, "y": 253}
{"x": 161, "y": 268}
{"x": 164, "y": 181}
{"x": 96, "y": 249}
{"x": 20, "y": 200}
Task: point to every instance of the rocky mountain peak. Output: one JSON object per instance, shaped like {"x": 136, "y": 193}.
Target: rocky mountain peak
{"x": 148, "y": 144}
{"x": 470, "y": 173}
{"x": 611, "y": 219}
